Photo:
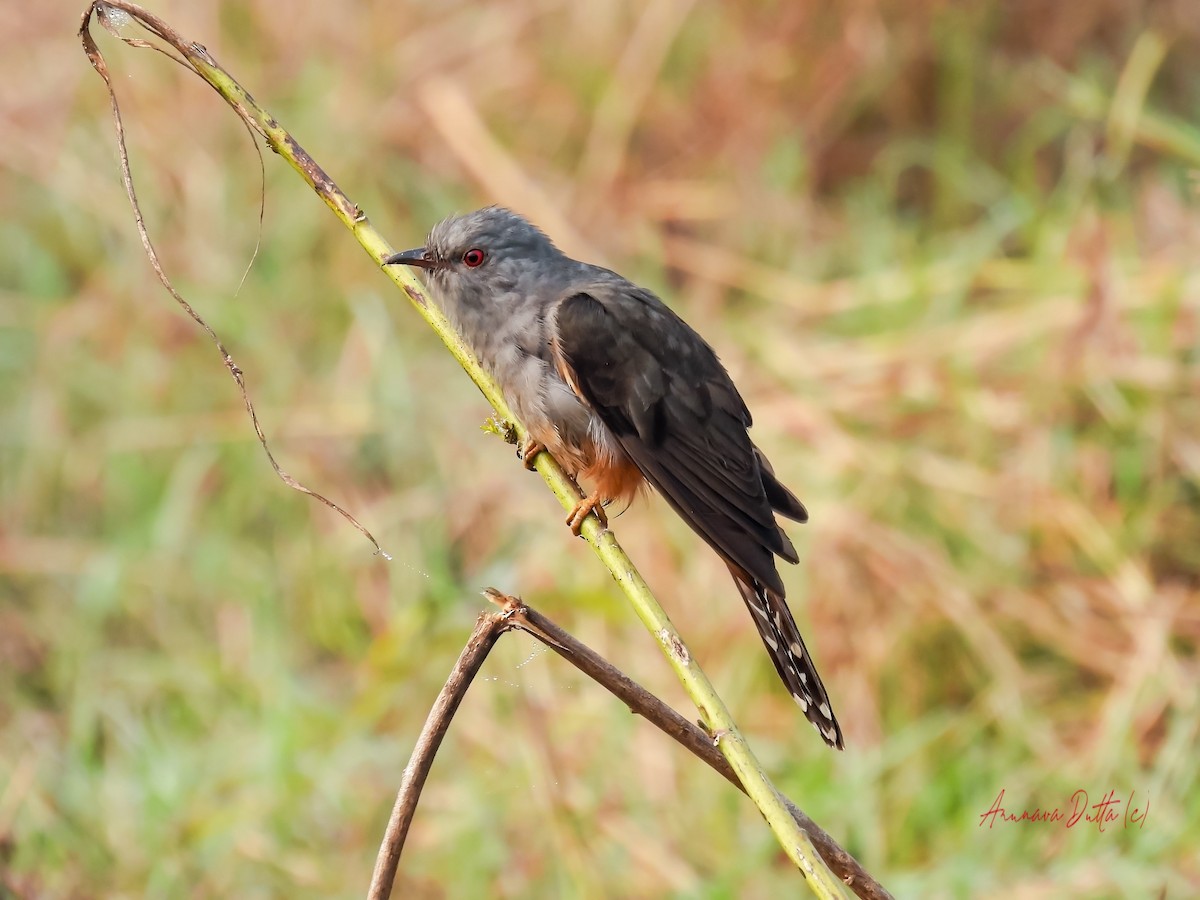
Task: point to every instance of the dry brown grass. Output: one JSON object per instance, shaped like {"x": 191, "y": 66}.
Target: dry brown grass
{"x": 955, "y": 277}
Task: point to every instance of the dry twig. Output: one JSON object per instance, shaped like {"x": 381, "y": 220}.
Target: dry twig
{"x": 689, "y": 735}
{"x": 514, "y": 613}
{"x": 159, "y": 28}
{"x": 487, "y": 631}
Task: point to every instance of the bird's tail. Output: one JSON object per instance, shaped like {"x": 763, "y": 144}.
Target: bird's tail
{"x": 786, "y": 649}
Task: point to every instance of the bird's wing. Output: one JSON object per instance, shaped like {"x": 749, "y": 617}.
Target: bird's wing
{"x": 662, "y": 392}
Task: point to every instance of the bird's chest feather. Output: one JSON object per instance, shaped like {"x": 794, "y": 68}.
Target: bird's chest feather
{"x": 555, "y": 416}
{"x": 512, "y": 341}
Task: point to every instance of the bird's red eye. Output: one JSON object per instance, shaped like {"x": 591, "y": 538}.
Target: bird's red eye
{"x": 474, "y": 257}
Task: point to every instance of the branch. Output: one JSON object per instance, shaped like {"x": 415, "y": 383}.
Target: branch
{"x": 516, "y": 614}
{"x": 715, "y": 715}
{"x": 686, "y": 733}
{"x": 113, "y": 22}
{"x": 488, "y": 629}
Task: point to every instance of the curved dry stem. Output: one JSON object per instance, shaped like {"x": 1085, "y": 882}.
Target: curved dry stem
{"x": 160, "y": 28}
{"x": 488, "y": 629}
{"x": 516, "y": 614}
{"x": 686, "y": 733}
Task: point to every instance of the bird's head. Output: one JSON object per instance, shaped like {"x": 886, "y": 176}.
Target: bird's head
{"x": 480, "y": 256}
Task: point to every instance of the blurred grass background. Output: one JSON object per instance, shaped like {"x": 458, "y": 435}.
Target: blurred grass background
{"x": 947, "y": 250}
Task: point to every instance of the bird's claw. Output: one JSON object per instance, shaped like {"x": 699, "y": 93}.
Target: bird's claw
{"x": 529, "y": 451}
{"x": 589, "y": 504}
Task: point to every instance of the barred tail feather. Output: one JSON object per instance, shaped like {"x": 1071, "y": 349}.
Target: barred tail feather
{"x": 792, "y": 661}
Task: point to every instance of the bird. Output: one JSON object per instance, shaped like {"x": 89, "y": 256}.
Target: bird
{"x": 623, "y": 392}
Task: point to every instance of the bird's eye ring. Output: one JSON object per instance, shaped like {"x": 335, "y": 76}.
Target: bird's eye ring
{"x": 474, "y": 258}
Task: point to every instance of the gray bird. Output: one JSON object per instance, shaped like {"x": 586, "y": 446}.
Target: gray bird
{"x": 622, "y": 391}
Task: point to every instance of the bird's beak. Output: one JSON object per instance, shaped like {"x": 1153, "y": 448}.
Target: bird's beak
{"x": 418, "y": 258}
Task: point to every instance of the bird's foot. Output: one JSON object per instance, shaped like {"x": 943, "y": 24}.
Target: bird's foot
{"x": 529, "y": 451}
{"x": 589, "y": 504}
